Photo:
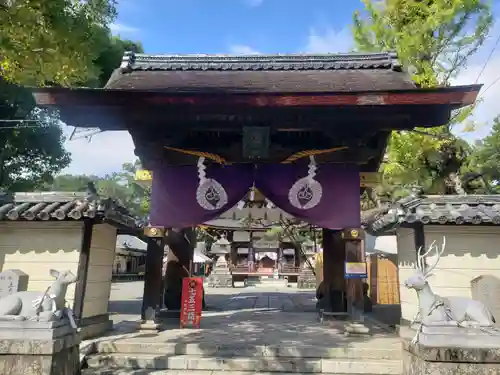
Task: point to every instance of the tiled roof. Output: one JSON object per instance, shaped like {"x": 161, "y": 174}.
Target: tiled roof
{"x": 61, "y": 206}
{"x": 126, "y": 241}
{"x": 330, "y": 61}
{"x": 261, "y": 73}
{"x": 438, "y": 210}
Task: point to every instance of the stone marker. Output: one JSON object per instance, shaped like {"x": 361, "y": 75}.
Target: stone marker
{"x": 486, "y": 288}
{"x": 12, "y": 281}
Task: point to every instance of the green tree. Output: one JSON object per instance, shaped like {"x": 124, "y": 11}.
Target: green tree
{"x": 69, "y": 183}
{"x": 486, "y": 157}
{"x": 52, "y": 41}
{"x": 434, "y": 40}
{"x": 118, "y": 185}
{"x": 31, "y": 141}
{"x": 57, "y": 42}
{"x": 110, "y": 57}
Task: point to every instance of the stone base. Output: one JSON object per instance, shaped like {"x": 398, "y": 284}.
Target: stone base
{"x": 95, "y": 326}
{"x": 450, "y": 352}
{"x": 150, "y": 326}
{"x": 356, "y": 329}
{"x": 306, "y": 282}
{"x": 220, "y": 280}
{"x": 55, "y": 354}
{"x": 327, "y": 316}
{"x": 442, "y": 335}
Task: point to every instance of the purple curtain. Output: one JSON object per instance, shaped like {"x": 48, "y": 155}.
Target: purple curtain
{"x": 190, "y": 195}
{"x": 326, "y": 195}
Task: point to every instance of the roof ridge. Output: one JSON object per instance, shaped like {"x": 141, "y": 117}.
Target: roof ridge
{"x": 298, "y": 61}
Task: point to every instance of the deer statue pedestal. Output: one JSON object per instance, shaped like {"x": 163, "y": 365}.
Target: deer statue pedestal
{"x": 38, "y": 333}
{"x": 38, "y": 348}
{"x": 454, "y": 335}
{"x": 449, "y": 350}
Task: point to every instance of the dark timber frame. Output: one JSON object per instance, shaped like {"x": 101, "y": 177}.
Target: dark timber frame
{"x": 174, "y": 105}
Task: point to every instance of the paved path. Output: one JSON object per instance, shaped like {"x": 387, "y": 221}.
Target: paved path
{"x": 126, "y": 300}
{"x": 240, "y": 316}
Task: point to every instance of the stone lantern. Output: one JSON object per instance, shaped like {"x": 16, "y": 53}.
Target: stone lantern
{"x": 307, "y": 278}
{"x": 220, "y": 276}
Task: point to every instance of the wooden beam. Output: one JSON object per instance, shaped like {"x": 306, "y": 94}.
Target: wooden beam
{"x": 367, "y": 179}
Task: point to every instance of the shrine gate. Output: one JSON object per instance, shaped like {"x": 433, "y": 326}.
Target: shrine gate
{"x": 308, "y": 131}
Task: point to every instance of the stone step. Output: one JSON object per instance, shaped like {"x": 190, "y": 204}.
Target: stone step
{"x": 125, "y": 371}
{"x": 268, "y": 282}
{"x": 250, "y": 364}
{"x": 380, "y": 349}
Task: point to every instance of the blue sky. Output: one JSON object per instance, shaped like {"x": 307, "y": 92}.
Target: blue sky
{"x": 246, "y": 27}
{"x": 222, "y": 26}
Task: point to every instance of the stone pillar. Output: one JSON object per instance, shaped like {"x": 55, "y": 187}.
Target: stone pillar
{"x": 332, "y": 288}
{"x": 181, "y": 243}
{"x": 151, "y": 301}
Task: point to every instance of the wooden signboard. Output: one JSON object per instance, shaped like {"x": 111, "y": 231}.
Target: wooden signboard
{"x": 370, "y": 179}
{"x": 143, "y": 175}
{"x": 355, "y": 270}
{"x": 191, "y": 302}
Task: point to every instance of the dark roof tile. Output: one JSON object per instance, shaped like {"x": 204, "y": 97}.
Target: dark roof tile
{"x": 330, "y": 61}
{"x": 261, "y": 73}
{"x": 44, "y": 206}
{"x": 438, "y": 210}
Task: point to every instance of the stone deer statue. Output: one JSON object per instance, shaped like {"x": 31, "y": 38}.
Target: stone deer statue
{"x": 43, "y": 306}
{"x": 436, "y": 310}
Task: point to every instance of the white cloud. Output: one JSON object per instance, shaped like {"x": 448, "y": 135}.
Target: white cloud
{"x": 329, "y": 40}
{"x": 120, "y": 28}
{"x": 240, "y": 49}
{"x": 105, "y": 153}
{"x": 253, "y": 3}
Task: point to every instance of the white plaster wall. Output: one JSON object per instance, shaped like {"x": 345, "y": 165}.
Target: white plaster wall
{"x": 102, "y": 255}
{"x": 471, "y": 251}
{"x": 36, "y": 247}
{"x": 406, "y": 264}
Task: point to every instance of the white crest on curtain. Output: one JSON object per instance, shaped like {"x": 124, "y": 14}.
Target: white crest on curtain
{"x": 306, "y": 192}
{"x": 210, "y": 194}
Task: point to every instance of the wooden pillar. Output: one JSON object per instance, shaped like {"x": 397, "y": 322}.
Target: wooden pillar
{"x": 419, "y": 239}
{"x": 181, "y": 243}
{"x": 354, "y": 252}
{"x": 151, "y": 301}
{"x": 83, "y": 269}
{"x": 333, "y": 286}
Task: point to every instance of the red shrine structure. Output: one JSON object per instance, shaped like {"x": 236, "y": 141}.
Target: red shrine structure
{"x": 306, "y": 130}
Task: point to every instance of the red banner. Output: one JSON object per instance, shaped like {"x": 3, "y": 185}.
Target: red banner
{"x": 192, "y": 297}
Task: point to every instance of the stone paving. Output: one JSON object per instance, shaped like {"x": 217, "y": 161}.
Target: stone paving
{"x": 251, "y": 329}
{"x": 258, "y": 316}
{"x": 126, "y": 299}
